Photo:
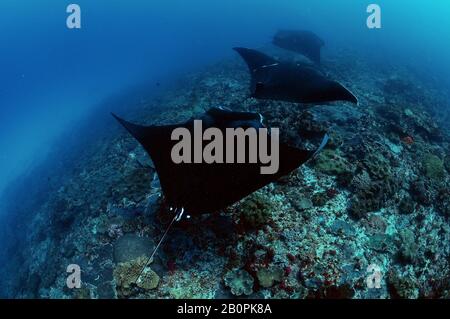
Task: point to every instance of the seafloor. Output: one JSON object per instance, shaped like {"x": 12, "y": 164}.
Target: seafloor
{"x": 377, "y": 195}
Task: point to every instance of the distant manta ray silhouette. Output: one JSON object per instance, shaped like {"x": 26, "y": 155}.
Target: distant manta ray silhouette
{"x": 290, "y": 82}
{"x": 300, "y": 41}
{"x": 198, "y": 188}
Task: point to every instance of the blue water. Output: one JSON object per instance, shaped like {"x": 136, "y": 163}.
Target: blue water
{"x": 52, "y": 77}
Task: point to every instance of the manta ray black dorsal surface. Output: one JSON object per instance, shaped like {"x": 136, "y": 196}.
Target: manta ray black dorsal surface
{"x": 201, "y": 187}
{"x": 291, "y": 82}
{"x": 300, "y": 41}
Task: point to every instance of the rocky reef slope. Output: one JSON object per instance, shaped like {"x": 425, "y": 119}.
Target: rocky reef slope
{"x": 378, "y": 196}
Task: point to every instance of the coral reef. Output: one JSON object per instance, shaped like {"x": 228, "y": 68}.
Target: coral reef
{"x": 329, "y": 162}
{"x": 268, "y": 277}
{"x": 256, "y": 211}
{"x": 404, "y": 287}
{"x": 128, "y": 274}
{"x": 239, "y": 281}
{"x": 433, "y": 167}
{"x": 377, "y": 195}
{"x": 130, "y": 246}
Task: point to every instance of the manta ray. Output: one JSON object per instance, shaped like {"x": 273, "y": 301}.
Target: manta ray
{"x": 198, "y": 188}
{"x": 303, "y": 42}
{"x": 291, "y": 82}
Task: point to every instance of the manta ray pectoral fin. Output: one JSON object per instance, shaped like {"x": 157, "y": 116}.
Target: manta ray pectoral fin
{"x": 137, "y": 131}
{"x": 203, "y": 187}
{"x": 259, "y": 88}
{"x": 350, "y": 96}
{"x": 220, "y": 114}
{"x": 255, "y": 59}
{"x": 340, "y": 92}
{"x": 292, "y": 157}
{"x": 148, "y": 136}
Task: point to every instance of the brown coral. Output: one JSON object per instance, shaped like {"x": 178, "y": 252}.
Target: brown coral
{"x": 128, "y": 275}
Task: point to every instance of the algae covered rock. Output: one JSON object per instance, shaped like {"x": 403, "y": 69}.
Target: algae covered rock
{"x": 408, "y": 246}
{"x": 447, "y": 163}
{"x": 377, "y": 165}
{"x": 319, "y": 199}
{"x": 443, "y": 201}
{"x": 82, "y": 293}
{"x": 63, "y": 214}
{"x": 148, "y": 280}
{"x": 268, "y": 277}
{"x": 303, "y": 203}
{"x": 381, "y": 243}
{"x": 131, "y": 246}
{"x": 126, "y": 276}
{"x": 134, "y": 186}
{"x": 371, "y": 189}
{"x": 256, "y": 210}
{"x": 433, "y": 166}
{"x": 403, "y": 287}
{"x": 421, "y": 192}
{"x": 406, "y": 205}
{"x": 341, "y": 227}
{"x": 367, "y": 200}
{"x": 239, "y": 281}
{"x": 344, "y": 291}
{"x": 331, "y": 163}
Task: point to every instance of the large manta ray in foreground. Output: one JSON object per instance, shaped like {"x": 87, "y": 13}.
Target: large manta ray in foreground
{"x": 197, "y": 188}
{"x": 291, "y": 82}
